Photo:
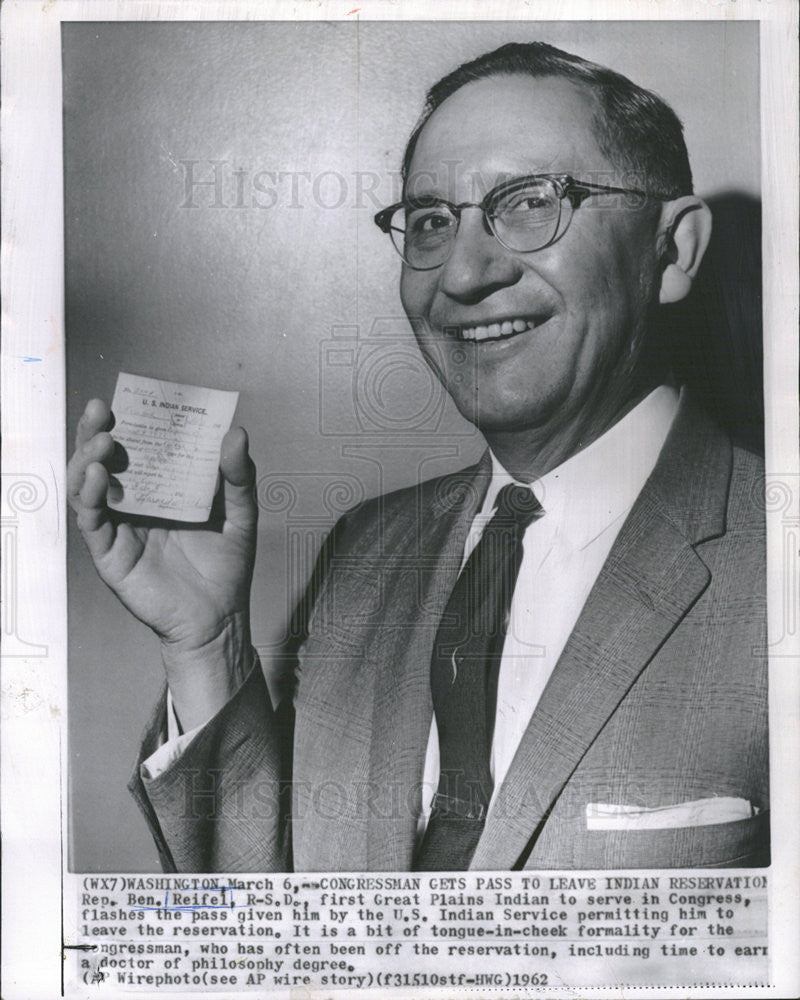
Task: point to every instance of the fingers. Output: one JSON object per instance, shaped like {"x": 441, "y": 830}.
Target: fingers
{"x": 88, "y": 479}
{"x": 96, "y": 417}
{"x": 98, "y": 448}
{"x": 92, "y": 510}
{"x": 93, "y": 443}
{"x": 239, "y": 477}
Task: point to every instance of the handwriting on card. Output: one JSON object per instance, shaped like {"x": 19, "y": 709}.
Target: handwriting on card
{"x": 171, "y": 435}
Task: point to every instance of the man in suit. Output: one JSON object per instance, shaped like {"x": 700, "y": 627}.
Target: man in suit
{"x": 547, "y": 216}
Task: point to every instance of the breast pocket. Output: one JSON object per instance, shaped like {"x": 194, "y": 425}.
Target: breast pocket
{"x": 739, "y": 844}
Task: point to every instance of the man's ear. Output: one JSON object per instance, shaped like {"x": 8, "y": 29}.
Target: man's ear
{"x": 684, "y": 232}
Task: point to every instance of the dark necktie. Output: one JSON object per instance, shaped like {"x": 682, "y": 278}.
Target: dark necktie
{"x": 464, "y": 671}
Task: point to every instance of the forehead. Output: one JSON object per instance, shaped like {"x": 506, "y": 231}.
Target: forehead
{"x": 512, "y": 124}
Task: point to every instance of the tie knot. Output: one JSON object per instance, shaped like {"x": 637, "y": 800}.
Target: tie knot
{"x": 518, "y": 503}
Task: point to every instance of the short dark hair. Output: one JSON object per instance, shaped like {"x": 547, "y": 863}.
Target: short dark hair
{"x": 635, "y": 129}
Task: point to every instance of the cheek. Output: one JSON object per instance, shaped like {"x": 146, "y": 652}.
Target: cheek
{"x": 417, "y": 290}
{"x": 631, "y": 259}
{"x": 608, "y": 275}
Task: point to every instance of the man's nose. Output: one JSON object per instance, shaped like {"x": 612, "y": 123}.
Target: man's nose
{"x": 478, "y": 264}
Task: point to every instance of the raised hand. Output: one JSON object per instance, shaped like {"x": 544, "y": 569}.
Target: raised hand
{"x": 190, "y": 584}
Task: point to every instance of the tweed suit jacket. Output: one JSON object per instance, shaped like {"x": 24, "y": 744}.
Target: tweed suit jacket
{"x": 659, "y": 698}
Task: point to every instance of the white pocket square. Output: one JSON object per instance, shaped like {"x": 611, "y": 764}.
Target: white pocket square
{"x": 701, "y": 812}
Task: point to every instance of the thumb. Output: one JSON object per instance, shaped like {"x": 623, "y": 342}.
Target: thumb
{"x": 239, "y": 477}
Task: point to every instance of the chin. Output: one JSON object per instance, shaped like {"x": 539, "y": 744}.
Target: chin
{"x": 509, "y": 419}
{"x": 496, "y": 412}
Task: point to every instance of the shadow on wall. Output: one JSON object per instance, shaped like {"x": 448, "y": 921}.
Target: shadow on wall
{"x": 717, "y": 329}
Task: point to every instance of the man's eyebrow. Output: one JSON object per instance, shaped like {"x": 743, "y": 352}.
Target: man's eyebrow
{"x": 423, "y": 200}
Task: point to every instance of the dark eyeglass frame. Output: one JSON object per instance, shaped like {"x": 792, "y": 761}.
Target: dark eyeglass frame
{"x": 566, "y": 186}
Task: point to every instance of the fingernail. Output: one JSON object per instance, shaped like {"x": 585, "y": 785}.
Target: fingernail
{"x": 115, "y": 490}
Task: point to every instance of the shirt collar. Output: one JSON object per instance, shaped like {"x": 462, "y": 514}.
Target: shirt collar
{"x": 599, "y": 484}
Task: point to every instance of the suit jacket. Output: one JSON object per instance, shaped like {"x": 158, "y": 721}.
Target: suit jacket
{"x": 659, "y": 698}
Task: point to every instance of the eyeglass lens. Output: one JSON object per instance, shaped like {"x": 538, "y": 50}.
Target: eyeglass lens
{"x": 523, "y": 219}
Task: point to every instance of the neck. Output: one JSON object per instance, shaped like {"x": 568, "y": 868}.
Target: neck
{"x": 531, "y": 452}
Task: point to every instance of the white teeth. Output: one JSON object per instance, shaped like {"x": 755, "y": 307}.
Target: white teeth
{"x": 495, "y": 330}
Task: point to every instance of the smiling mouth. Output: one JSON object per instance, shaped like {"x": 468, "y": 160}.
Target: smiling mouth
{"x": 503, "y": 330}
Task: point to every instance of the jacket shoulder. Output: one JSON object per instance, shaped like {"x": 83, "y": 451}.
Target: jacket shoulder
{"x": 395, "y": 512}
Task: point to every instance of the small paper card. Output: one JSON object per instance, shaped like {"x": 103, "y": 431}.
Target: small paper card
{"x": 171, "y": 434}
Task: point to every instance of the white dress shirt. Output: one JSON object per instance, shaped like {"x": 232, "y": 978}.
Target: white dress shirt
{"x": 585, "y": 501}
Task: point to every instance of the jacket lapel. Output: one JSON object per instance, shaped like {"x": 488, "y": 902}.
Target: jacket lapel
{"x": 650, "y": 580}
{"x": 435, "y": 532}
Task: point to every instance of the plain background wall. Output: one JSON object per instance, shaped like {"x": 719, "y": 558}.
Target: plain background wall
{"x": 295, "y": 303}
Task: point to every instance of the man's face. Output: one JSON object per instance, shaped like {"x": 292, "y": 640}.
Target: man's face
{"x": 580, "y": 304}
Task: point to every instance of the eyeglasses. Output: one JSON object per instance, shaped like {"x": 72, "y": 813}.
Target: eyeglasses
{"x": 523, "y": 214}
